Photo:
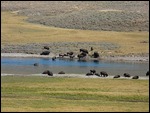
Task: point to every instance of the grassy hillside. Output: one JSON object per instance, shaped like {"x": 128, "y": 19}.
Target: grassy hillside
{"x": 86, "y": 15}
{"x": 32, "y": 93}
{"x": 17, "y": 31}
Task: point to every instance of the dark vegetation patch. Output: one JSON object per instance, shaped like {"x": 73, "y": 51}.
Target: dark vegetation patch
{"x": 85, "y": 15}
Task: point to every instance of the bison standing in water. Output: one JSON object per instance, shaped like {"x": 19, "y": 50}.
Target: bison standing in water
{"x": 53, "y": 58}
{"x": 36, "y": 64}
{"x": 82, "y": 55}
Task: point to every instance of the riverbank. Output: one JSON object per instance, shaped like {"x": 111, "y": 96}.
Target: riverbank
{"x": 74, "y": 76}
{"x": 113, "y": 58}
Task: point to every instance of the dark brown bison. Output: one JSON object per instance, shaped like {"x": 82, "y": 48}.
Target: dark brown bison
{"x": 91, "y": 48}
{"x": 116, "y": 76}
{"x": 82, "y": 55}
{"x": 36, "y": 64}
{"x": 95, "y": 55}
{"x": 93, "y": 71}
{"x": 45, "y": 53}
{"x": 84, "y": 51}
{"x": 70, "y": 53}
{"x": 72, "y": 56}
{"x": 46, "y": 47}
{"x": 135, "y": 77}
{"x": 61, "y": 55}
{"x": 126, "y": 75}
{"x": 147, "y": 73}
{"x": 53, "y": 58}
{"x": 48, "y": 72}
{"x": 97, "y": 74}
{"x": 103, "y": 73}
{"x": 88, "y": 74}
{"x": 65, "y": 54}
{"x": 45, "y": 72}
{"x": 61, "y": 72}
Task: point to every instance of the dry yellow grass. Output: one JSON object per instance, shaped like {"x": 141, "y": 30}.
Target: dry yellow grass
{"x": 15, "y": 30}
{"x": 33, "y": 93}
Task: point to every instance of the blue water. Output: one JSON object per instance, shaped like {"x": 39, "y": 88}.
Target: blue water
{"x": 59, "y": 62}
{"x": 25, "y": 65}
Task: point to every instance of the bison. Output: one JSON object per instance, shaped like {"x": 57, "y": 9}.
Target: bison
{"x": 82, "y": 55}
{"x": 93, "y": 71}
{"x": 53, "y": 58}
{"x": 45, "y": 53}
{"x": 84, "y": 51}
{"x": 48, "y": 72}
{"x": 70, "y": 53}
{"x": 91, "y": 48}
{"x": 147, "y": 73}
{"x": 72, "y": 56}
{"x": 88, "y": 74}
{"x": 36, "y": 64}
{"x": 61, "y": 55}
{"x": 135, "y": 77}
{"x": 103, "y": 73}
{"x": 61, "y": 72}
{"x": 46, "y": 47}
{"x": 126, "y": 75}
{"x": 97, "y": 74}
{"x": 95, "y": 55}
{"x": 117, "y": 76}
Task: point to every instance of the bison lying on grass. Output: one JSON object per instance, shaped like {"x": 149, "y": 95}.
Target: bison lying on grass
{"x": 48, "y": 72}
{"x": 45, "y": 53}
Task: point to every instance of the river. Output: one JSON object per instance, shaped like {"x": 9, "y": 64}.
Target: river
{"x": 25, "y": 66}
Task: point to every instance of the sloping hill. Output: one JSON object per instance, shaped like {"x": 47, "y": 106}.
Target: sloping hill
{"x": 87, "y": 15}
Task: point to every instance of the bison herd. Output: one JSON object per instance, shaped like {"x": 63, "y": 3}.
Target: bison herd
{"x": 83, "y": 54}
{"x": 105, "y": 74}
{"x": 101, "y": 74}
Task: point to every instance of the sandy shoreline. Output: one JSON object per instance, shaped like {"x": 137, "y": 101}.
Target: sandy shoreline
{"x": 115, "y": 58}
{"x": 74, "y": 76}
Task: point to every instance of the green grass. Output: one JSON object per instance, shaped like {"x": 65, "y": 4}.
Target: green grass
{"x": 34, "y": 93}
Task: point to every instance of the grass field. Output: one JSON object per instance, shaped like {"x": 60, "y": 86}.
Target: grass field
{"x": 15, "y": 30}
{"x": 32, "y": 93}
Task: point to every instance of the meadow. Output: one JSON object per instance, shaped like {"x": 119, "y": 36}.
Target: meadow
{"x": 16, "y": 30}
{"x": 37, "y": 93}
{"x": 32, "y": 93}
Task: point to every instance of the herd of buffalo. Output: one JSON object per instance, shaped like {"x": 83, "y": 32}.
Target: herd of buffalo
{"x": 71, "y": 55}
{"x": 83, "y": 54}
{"x": 93, "y": 72}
